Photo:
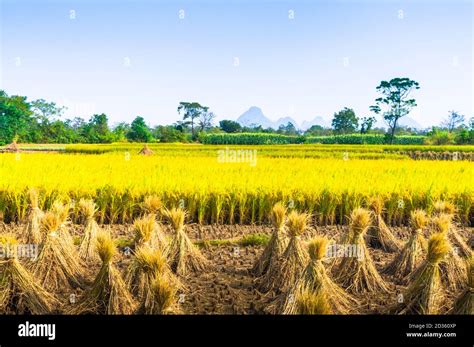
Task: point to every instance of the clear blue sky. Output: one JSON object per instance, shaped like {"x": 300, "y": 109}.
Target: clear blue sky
{"x": 129, "y": 58}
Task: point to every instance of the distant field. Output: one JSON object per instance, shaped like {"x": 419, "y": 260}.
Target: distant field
{"x": 327, "y": 180}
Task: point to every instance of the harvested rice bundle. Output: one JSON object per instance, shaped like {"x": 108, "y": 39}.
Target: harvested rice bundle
{"x": 147, "y": 264}
{"x": 425, "y": 294}
{"x": 161, "y": 297}
{"x": 284, "y": 273}
{"x": 443, "y": 207}
{"x": 87, "y": 249}
{"x": 277, "y": 244}
{"x": 148, "y": 232}
{"x": 62, "y": 212}
{"x": 316, "y": 280}
{"x": 446, "y": 210}
{"x": 413, "y": 252}
{"x": 184, "y": 257}
{"x": 379, "y": 235}
{"x": 310, "y": 303}
{"x": 56, "y": 267}
{"x": 358, "y": 273}
{"x": 453, "y": 270}
{"x": 108, "y": 294}
{"x": 33, "y": 233}
{"x": 465, "y": 302}
{"x": 20, "y": 293}
{"x": 146, "y": 150}
{"x": 152, "y": 204}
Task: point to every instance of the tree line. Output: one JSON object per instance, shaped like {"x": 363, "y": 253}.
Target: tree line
{"x": 40, "y": 121}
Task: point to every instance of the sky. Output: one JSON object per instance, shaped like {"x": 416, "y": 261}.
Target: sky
{"x": 290, "y": 58}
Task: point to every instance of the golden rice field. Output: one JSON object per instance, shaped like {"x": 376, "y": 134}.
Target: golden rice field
{"x": 213, "y": 191}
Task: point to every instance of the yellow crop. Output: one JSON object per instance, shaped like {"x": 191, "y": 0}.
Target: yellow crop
{"x": 214, "y": 190}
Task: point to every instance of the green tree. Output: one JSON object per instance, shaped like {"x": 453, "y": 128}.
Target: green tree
{"x": 97, "y": 129}
{"x": 139, "y": 131}
{"x": 395, "y": 102}
{"x": 15, "y": 117}
{"x": 345, "y": 121}
{"x": 366, "y": 124}
{"x": 191, "y": 111}
{"x": 229, "y": 126}
{"x": 288, "y": 129}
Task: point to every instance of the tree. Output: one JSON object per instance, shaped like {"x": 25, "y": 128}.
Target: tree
{"x": 229, "y": 126}
{"x": 44, "y": 110}
{"x": 139, "y": 131}
{"x": 366, "y": 124}
{"x": 205, "y": 120}
{"x": 169, "y": 133}
{"x": 318, "y": 130}
{"x": 120, "y": 131}
{"x": 288, "y": 129}
{"x": 191, "y": 111}
{"x": 345, "y": 121}
{"x": 453, "y": 121}
{"x": 15, "y": 117}
{"x": 395, "y": 102}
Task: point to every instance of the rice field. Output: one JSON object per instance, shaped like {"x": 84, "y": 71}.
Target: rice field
{"x": 235, "y": 230}
{"x": 234, "y": 190}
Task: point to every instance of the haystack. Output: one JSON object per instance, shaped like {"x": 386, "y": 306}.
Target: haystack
{"x": 108, "y": 294}
{"x": 87, "y": 249}
{"x": 356, "y": 271}
{"x": 33, "y": 233}
{"x": 147, "y": 264}
{"x": 425, "y": 294}
{"x": 56, "y": 267}
{"x": 284, "y": 273}
{"x": 449, "y": 209}
{"x": 465, "y": 303}
{"x": 146, "y": 150}
{"x": 414, "y": 250}
{"x": 277, "y": 244}
{"x": 379, "y": 235}
{"x": 316, "y": 280}
{"x": 184, "y": 257}
{"x": 12, "y": 147}
{"x": 453, "y": 271}
{"x": 148, "y": 232}
{"x": 310, "y": 303}
{"x": 20, "y": 292}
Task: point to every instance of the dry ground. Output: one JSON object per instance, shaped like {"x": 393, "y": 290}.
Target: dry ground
{"x": 229, "y": 287}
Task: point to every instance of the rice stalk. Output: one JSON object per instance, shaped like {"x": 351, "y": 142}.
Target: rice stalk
{"x": 56, "y": 267}
{"x": 425, "y": 293}
{"x": 412, "y": 254}
{"x": 108, "y": 293}
{"x": 358, "y": 274}
{"x": 184, "y": 257}
{"x": 20, "y": 292}
{"x": 87, "y": 248}
{"x": 465, "y": 303}
{"x": 33, "y": 233}
{"x": 283, "y": 273}
{"x": 277, "y": 243}
{"x": 379, "y": 235}
{"x": 316, "y": 280}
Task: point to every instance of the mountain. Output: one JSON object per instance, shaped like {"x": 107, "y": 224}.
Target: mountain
{"x": 410, "y": 123}
{"x": 285, "y": 121}
{"x": 254, "y": 116}
{"x": 316, "y": 121}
